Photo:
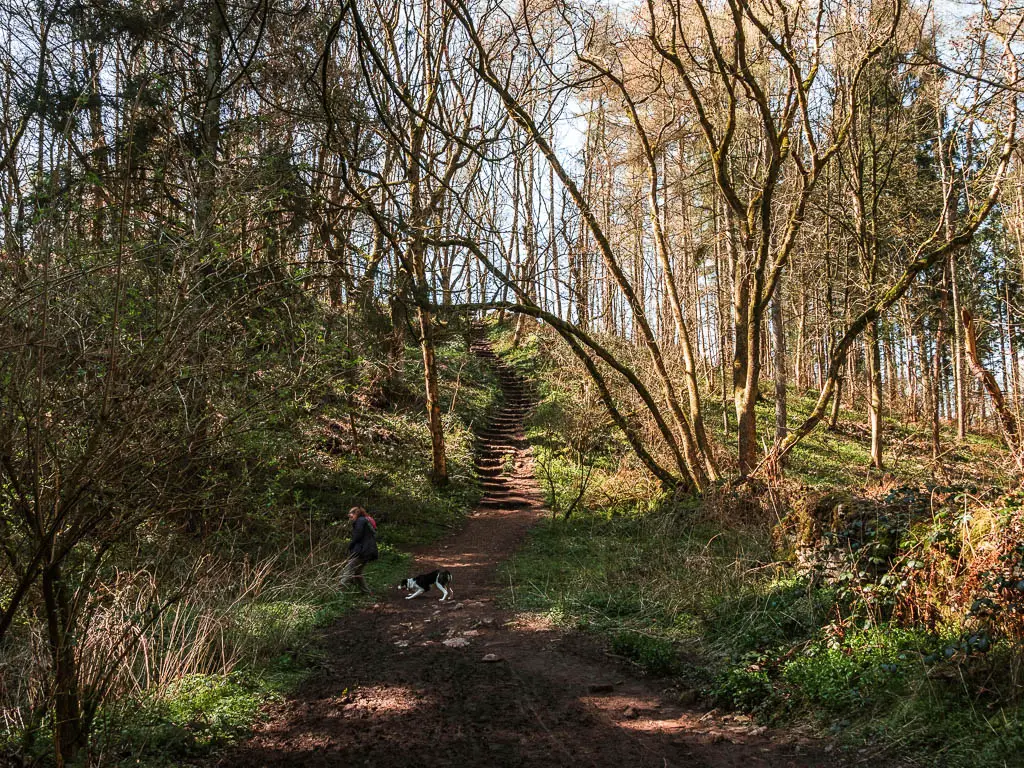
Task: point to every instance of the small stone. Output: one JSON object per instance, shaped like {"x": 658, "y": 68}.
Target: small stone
{"x": 455, "y": 642}
{"x": 471, "y": 633}
{"x": 759, "y": 730}
{"x": 487, "y": 620}
{"x": 457, "y": 607}
{"x": 402, "y": 643}
{"x": 491, "y": 657}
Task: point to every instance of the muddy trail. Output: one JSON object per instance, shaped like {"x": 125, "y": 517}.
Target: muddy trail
{"x": 466, "y": 683}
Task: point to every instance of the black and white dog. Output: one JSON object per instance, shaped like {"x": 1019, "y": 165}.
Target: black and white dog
{"x": 422, "y": 583}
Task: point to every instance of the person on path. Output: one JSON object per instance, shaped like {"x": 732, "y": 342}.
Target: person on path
{"x": 362, "y": 549}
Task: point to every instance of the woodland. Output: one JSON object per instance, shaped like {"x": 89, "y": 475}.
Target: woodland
{"x": 762, "y": 259}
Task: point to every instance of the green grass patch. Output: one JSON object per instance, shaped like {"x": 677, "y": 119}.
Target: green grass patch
{"x": 765, "y": 644}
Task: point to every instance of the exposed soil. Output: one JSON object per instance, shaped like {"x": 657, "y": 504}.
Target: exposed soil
{"x": 465, "y": 683}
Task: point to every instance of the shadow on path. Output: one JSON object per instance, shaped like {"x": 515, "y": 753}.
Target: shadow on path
{"x": 465, "y": 683}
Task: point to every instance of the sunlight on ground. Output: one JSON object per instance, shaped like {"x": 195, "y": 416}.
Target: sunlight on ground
{"x": 373, "y": 700}
{"x": 642, "y": 725}
{"x": 531, "y": 622}
{"x": 387, "y": 699}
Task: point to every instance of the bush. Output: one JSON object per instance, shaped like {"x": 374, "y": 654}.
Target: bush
{"x": 267, "y": 629}
{"x": 211, "y": 707}
{"x": 744, "y": 689}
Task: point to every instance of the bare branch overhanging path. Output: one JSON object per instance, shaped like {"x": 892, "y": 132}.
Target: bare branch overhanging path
{"x": 405, "y": 683}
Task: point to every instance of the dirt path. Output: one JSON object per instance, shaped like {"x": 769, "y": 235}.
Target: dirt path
{"x": 465, "y": 683}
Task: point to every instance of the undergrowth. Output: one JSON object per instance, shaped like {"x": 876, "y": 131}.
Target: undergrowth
{"x": 209, "y": 624}
{"x": 884, "y": 611}
{"x": 198, "y": 712}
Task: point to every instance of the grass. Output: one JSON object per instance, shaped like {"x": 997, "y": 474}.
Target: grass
{"x": 725, "y": 611}
{"x": 827, "y": 458}
{"x": 585, "y": 573}
{"x": 199, "y": 713}
{"x": 385, "y": 467}
{"x": 715, "y": 614}
{"x": 386, "y": 472}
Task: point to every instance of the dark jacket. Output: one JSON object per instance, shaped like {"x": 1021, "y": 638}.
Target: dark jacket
{"x": 364, "y": 540}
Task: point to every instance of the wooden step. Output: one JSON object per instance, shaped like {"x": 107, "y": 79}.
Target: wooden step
{"x": 503, "y": 436}
{"x": 496, "y": 459}
{"x": 505, "y": 503}
{"x": 497, "y": 434}
{"x": 506, "y": 494}
{"x": 504, "y": 443}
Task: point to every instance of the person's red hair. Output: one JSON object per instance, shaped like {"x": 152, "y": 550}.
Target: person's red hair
{"x": 361, "y": 512}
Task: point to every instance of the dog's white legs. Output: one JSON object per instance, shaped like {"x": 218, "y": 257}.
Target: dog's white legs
{"x": 444, "y": 592}
{"x": 417, "y": 593}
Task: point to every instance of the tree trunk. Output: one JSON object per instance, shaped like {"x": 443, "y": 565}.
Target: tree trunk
{"x": 779, "y": 361}
{"x": 210, "y": 128}
{"x": 696, "y": 417}
{"x": 746, "y": 400}
{"x": 68, "y": 734}
{"x": 959, "y": 393}
{"x": 553, "y": 244}
{"x": 801, "y": 381}
{"x": 439, "y": 471}
{"x": 936, "y": 389}
{"x": 421, "y": 218}
{"x": 874, "y": 360}
{"x": 523, "y": 267}
{"x": 1011, "y": 348}
{"x": 746, "y": 358}
{"x": 833, "y": 416}
{"x": 1007, "y": 418}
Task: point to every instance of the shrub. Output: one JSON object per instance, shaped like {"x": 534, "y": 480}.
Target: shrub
{"x": 745, "y": 689}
